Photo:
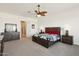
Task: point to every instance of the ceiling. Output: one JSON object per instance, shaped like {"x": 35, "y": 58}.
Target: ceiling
{"x": 27, "y": 9}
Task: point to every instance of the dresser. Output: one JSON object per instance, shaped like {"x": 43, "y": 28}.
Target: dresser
{"x": 67, "y": 39}
{"x": 10, "y": 32}
{"x": 8, "y": 36}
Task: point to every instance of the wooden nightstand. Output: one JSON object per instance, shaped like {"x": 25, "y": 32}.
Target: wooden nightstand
{"x": 67, "y": 39}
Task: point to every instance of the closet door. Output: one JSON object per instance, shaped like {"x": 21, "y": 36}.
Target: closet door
{"x": 23, "y": 29}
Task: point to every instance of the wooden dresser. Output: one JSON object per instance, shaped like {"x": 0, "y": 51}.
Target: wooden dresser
{"x": 67, "y": 39}
{"x": 8, "y": 36}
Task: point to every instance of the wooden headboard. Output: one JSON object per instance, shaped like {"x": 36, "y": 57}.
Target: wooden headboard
{"x": 52, "y": 30}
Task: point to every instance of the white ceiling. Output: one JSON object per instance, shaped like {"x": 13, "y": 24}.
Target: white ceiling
{"x": 27, "y": 9}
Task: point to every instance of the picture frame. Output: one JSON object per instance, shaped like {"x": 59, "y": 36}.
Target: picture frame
{"x": 33, "y": 26}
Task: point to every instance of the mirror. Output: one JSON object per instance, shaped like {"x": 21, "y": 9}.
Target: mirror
{"x": 10, "y": 27}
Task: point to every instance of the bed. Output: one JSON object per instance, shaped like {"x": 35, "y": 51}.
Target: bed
{"x": 47, "y": 39}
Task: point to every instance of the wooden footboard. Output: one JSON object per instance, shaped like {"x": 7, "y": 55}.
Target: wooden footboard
{"x": 43, "y": 42}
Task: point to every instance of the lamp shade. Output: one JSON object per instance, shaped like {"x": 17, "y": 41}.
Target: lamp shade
{"x": 67, "y": 27}
{"x": 42, "y": 28}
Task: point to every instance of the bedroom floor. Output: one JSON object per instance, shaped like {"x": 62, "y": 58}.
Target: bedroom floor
{"x": 29, "y": 48}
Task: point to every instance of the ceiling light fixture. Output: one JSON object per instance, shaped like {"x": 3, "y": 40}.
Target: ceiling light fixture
{"x": 39, "y": 12}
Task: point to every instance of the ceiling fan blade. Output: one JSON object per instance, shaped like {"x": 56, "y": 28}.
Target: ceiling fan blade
{"x": 36, "y": 11}
{"x": 44, "y": 11}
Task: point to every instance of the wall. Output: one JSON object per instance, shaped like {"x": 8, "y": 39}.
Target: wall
{"x": 9, "y": 18}
{"x": 68, "y": 17}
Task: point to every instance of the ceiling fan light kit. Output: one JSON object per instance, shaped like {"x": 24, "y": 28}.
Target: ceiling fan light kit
{"x": 38, "y": 15}
{"x": 39, "y": 12}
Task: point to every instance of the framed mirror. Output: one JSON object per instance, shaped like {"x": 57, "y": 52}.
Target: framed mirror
{"x": 10, "y": 27}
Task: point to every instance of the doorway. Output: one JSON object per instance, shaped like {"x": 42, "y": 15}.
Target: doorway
{"x": 23, "y": 29}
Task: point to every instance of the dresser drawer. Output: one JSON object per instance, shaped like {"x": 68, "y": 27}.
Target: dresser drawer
{"x": 67, "y": 39}
{"x": 68, "y": 42}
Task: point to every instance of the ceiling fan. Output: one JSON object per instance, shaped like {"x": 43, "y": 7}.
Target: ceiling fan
{"x": 39, "y": 12}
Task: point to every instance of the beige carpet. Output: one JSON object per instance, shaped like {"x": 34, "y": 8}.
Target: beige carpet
{"x": 29, "y": 48}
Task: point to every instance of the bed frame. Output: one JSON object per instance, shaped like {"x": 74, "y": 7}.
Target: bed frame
{"x": 47, "y": 43}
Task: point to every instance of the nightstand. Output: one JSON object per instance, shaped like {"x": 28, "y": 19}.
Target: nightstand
{"x": 67, "y": 39}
